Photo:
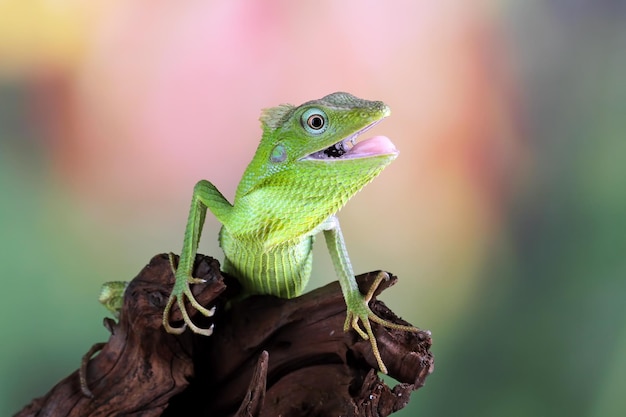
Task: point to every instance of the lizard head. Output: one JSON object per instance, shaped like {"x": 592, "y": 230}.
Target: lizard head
{"x": 325, "y": 130}
{"x": 311, "y": 156}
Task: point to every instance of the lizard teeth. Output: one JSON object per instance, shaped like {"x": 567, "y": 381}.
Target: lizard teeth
{"x": 335, "y": 151}
{"x": 338, "y": 149}
{"x": 349, "y": 143}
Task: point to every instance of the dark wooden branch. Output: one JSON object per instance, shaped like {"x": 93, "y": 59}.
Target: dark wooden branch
{"x": 267, "y": 357}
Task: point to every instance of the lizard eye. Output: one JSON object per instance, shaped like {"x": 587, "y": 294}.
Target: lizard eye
{"x": 314, "y": 121}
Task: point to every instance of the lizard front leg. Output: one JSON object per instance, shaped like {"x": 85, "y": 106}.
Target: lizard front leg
{"x": 357, "y": 304}
{"x": 205, "y": 195}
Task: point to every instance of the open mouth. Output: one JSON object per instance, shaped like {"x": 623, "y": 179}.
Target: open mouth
{"x": 348, "y": 148}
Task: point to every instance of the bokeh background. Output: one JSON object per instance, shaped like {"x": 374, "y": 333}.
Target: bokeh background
{"x": 504, "y": 216}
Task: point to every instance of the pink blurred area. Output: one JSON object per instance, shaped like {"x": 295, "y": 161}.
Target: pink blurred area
{"x": 160, "y": 94}
{"x": 172, "y": 91}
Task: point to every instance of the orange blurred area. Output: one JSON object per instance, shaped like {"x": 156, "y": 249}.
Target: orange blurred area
{"x": 44, "y": 35}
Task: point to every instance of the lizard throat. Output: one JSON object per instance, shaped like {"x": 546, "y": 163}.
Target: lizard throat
{"x": 348, "y": 148}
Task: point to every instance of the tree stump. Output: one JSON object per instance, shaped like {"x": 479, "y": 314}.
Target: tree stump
{"x": 267, "y": 356}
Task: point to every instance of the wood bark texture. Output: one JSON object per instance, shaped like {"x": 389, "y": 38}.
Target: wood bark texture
{"x": 267, "y": 356}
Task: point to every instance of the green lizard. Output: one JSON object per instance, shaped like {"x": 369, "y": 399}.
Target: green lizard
{"x": 306, "y": 167}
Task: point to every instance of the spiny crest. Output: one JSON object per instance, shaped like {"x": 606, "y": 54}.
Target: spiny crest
{"x": 274, "y": 117}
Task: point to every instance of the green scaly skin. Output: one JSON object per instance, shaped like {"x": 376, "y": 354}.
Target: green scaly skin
{"x": 302, "y": 173}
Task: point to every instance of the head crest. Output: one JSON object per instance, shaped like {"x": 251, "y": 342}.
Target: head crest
{"x": 274, "y": 117}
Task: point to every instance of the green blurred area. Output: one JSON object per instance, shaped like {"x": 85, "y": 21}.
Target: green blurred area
{"x": 48, "y": 315}
{"x": 546, "y": 331}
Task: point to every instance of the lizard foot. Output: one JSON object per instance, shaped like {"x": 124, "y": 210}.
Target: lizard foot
{"x": 179, "y": 292}
{"x": 358, "y": 310}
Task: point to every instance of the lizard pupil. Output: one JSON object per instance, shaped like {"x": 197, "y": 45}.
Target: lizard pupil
{"x": 315, "y": 122}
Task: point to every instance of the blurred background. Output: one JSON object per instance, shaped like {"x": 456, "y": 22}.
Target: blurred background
{"x": 504, "y": 216}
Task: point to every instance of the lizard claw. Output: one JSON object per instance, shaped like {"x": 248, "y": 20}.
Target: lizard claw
{"x": 178, "y": 297}
{"x": 359, "y": 311}
{"x": 179, "y": 292}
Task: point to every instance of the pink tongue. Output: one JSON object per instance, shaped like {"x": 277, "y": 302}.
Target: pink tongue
{"x": 378, "y": 145}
